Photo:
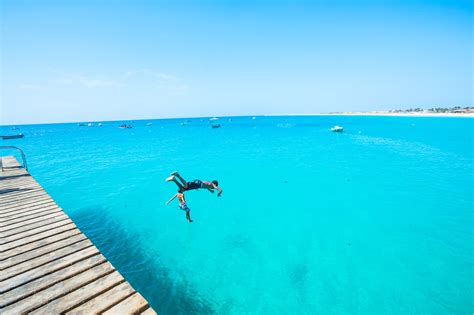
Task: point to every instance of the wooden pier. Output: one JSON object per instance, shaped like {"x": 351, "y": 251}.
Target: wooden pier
{"x": 47, "y": 266}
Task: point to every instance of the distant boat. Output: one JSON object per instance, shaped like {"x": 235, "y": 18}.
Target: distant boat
{"x": 214, "y": 121}
{"x": 149, "y": 124}
{"x": 20, "y": 135}
{"x": 82, "y": 125}
{"x": 337, "y": 129}
{"x": 89, "y": 125}
{"x": 99, "y": 124}
{"x": 184, "y": 123}
{"x": 125, "y": 126}
{"x": 253, "y": 118}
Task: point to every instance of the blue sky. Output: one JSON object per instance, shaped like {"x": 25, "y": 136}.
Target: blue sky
{"x": 104, "y": 60}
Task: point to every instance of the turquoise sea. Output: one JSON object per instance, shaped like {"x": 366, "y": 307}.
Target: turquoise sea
{"x": 375, "y": 220}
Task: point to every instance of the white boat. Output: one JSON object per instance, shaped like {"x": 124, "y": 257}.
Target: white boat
{"x": 99, "y": 124}
{"x": 214, "y": 122}
{"x": 337, "y": 129}
{"x": 17, "y": 136}
{"x": 89, "y": 125}
{"x": 149, "y": 124}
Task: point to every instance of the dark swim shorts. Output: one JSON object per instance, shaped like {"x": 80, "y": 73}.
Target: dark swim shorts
{"x": 195, "y": 184}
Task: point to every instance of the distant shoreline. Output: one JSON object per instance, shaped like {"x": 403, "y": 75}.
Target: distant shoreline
{"x": 391, "y": 114}
{"x": 411, "y": 114}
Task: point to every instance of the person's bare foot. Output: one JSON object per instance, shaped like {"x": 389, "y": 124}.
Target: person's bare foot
{"x": 169, "y": 179}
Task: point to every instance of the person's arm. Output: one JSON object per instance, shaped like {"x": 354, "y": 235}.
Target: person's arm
{"x": 218, "y": 189}
{"x": 172, "y": 198}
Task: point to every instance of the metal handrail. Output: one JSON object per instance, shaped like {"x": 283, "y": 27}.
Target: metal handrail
{"x": 23, "y": 156}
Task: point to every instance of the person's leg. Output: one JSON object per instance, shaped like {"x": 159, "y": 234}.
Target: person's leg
{"x": 188, "y": 217}
{"x": 185, "y": 183}
{"x": 173, "y": 179}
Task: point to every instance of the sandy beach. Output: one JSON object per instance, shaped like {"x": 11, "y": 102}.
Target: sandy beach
{"x": 414, "y": 114}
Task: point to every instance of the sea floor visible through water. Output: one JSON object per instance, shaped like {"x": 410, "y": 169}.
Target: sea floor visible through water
{"x": 377, "y": 219}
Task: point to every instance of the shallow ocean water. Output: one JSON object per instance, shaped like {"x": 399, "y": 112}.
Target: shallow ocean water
{"x": 377, "y": 219}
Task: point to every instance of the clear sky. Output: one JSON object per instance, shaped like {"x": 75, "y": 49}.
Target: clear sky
{"x": 104, "y": 60}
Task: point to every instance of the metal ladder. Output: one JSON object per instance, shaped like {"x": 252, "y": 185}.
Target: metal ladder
{"x": 23, "y": 156}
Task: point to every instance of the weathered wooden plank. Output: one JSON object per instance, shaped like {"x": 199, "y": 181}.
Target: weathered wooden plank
{"x": 36, "y": 237}
{"x": 13, "y": 174}
{"x": 46, "y": 302}
{"x": 14, "y": 198}
{"x": 47, "y": 248}
{"x": 38, "y": 244}
{"x": 25, "y": 217}
{"x": 28, "y": 211}
{"x": 29, "y": 206}
{"x": 7, "y": 174}
{"x": 105, "y": 300}
{"x": 19, "y": 185}
{"x": 32, "y": 226}
{"x": 8, "y": 193}
{"x": 131, "y": 305}
{"x": 10, "y": 161}
{"x": 12, "y": 205}
{"x": 32, "y": 220}
{"x": 46, "y": 253}
{"x": 49, "y": 227}
{"x": 20, "y": 195}
{"x": 39, "y": 261}
{"x": 80, "y": 295}
{"x": 7, "y": 189}
{"x": 10, "y": 175}
{"x": 23, "y": 206}
{"x": 31, "y": 198}
{"x": 23, "y": 199}
{"x": 19, "y": 181}
{"x": 46, "y": 269}
{"x": 36, "y": 286}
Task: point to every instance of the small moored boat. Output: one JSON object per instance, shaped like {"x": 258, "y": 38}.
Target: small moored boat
{"x": 214, "y": 121}
{"x": 17, "y": 136}
{"x": 337, "y": 129}
{"x": 125, "y": 126}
